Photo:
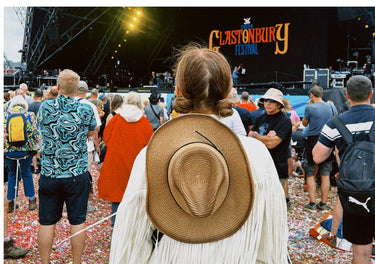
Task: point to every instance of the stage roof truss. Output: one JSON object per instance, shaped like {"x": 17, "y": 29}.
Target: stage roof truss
{"x": 76, "y": 29}
{"x": 102, "y": 49}
{"x": 40, "y": 50}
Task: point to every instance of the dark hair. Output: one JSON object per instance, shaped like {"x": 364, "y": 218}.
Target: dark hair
{"x": 6, "y": 96}
{"x": 359, "y": 88}
{"x": 38, "y": 93}
{"x": 203, "y": 77}
{"x": 317, "y": 91}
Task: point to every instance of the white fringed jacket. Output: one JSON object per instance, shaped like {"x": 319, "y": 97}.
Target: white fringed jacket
{"x": 262, "y": 239}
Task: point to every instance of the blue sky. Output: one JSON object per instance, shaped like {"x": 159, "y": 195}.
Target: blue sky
{"x": 13, "y": 34}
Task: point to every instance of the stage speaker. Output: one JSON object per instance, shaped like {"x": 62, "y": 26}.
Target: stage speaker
{"x": 309, "y": 75}
{"x": 9, "y": 80}
{"x": 323, "y": 78}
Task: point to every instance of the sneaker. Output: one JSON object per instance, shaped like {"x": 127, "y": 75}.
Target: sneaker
{"x": 12, "y": 251}
{"x": 11, "y": 206}
{"x": 90, "y": 209}
{"x": 311, "y": 208}
{"x": 330, "y": 239}
{"x": 32, "y": 204}
{"x": 322, "y": 207}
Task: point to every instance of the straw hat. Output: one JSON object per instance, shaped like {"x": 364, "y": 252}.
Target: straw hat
{"x": 199, "y": 182}
{"x": 273, "y": 94}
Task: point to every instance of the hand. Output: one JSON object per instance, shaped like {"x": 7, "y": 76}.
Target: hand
{"x": 272, "y": 133}
{"x": 251, "y": 133}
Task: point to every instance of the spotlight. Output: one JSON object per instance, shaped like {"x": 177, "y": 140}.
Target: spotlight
{"x": 366, "y": 26}
{"x": 112, "y": 57}
{"x": 119, "y": 45}
{"x": 115, "y": 51}
{"x": 138, "y": 13}
{"x": 131, "y": 25}
{"x": 134, "y": 18}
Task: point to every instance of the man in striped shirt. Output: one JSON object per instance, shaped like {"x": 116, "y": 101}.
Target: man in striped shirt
{"x": 359, "y": 230}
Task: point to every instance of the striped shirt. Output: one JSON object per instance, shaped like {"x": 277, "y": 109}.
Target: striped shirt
{"x": 358, "y": 119}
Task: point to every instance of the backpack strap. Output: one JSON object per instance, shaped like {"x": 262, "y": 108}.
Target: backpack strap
{"x": 344, "y": 131}
{"x": 371, "y": 133}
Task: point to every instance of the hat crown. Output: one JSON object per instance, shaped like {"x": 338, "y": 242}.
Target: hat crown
{"x": 154, "y": 97}
{"x": 274, "y": 94}
{"x": 199, "y": 188}
{"x": 198, "y": 178}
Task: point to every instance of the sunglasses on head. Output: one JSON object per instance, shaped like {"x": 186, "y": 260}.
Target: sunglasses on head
{"x": 269, "y": 100}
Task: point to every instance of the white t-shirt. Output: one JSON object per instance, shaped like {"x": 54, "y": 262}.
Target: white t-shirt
{"x": 90, "y": 142}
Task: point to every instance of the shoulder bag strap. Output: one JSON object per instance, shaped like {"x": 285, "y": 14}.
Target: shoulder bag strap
{"x": 154, "y": 112}
{"x": 371, "y": 134}
{"x": 344, "y": 131}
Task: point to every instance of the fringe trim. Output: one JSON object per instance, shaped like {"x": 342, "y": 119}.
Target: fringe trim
{"x": 128, "y": 246}
{"x": 262, "y": 239}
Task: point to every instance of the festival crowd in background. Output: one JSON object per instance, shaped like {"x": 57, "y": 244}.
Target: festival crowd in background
{"x": 69, "y": 127}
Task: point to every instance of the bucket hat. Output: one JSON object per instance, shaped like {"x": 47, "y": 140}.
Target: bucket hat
{"x": 273, "y": 94}
{"x": 199, "y": 182}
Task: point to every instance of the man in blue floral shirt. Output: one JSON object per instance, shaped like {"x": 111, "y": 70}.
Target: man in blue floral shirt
{"x": 65, "y": 125}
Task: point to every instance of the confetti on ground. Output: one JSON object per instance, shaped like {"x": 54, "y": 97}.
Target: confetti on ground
{"x": 302, "y": 247}
{"x": 98, "y": 241}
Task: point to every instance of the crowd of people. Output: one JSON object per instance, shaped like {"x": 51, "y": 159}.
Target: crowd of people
{"x": 205, "y": 181}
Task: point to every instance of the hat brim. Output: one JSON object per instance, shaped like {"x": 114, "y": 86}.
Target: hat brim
{"x": 279, "y": 101}
{"x": 161, "y": 207}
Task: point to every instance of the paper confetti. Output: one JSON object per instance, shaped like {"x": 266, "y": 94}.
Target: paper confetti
{"x": 302, "y": 248}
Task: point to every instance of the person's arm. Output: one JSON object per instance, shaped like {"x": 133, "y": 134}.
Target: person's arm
{"x": 320, "y": 152}
{"x": 91, "y": 133}
{"x": 295, "y": 126}
{"x": 305, "y": 122}
{"x": 306, "y": 117}
{"x": 271, "y": 141}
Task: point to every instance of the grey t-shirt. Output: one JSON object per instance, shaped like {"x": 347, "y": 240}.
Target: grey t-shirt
{"x": 318, "y": 114}
{"x": 154, "y": 119}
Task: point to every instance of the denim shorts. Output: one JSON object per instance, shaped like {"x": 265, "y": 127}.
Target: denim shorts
{"x": 53, "y": 192}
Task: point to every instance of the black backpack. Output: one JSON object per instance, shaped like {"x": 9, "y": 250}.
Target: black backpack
{"x": 356, "y": 182}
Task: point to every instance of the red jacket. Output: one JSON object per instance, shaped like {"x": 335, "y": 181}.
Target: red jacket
{"x": 124, "y": 141}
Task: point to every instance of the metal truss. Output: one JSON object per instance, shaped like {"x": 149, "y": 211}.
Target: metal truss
{"x": 21, "y": 14}
{"x": 39, "y": 51}
{"x": 27, "y": 35}
{"x": 161, "y": 43}
{"x": 102, "y": 49}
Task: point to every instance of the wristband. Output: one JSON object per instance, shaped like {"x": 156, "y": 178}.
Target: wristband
{"x": 255, "y": 134}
